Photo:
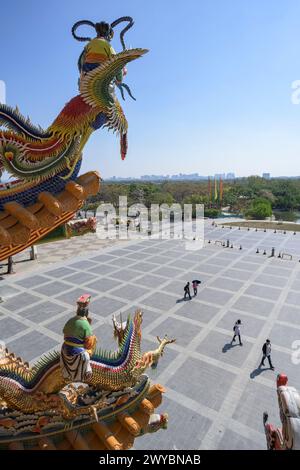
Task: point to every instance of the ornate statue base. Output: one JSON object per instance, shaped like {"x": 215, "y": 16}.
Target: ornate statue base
{"x": 97, "y": 420}
{"x": 39, "y": 408}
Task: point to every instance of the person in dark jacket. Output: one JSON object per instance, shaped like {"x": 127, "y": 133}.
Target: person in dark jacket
{"x": 266, "y": 350}
{"x": 237, "y": 332}
{"x": 187, "y": 291}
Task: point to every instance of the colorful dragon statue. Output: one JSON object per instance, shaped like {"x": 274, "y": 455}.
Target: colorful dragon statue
{"x": 288, "y": 437}
{"x": 39, "y": 400}
{"x": 44, "y": 164}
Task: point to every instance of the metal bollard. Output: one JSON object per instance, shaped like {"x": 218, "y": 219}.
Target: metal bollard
{"x": 257, "y": 250}
{"x": 241, "y": 247}
{"x": 33, "y": 252}
{"x": 264, "y": 253}
{"x": 227, "y": 244}
{"x": 231, "y": 246}
{"x": 10, "y": 263}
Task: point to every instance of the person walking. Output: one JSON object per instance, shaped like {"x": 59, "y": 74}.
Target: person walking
{"x": 195, "y": 285}
{"x": 237, "y": 332}
{"x": 266, "y": 350}
{"x": 187, "y": 291}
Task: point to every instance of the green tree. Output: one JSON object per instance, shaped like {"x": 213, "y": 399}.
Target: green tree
{"x": 259, "y": 209}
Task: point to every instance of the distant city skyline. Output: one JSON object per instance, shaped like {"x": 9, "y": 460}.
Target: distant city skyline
{"x": 194, "y": 177}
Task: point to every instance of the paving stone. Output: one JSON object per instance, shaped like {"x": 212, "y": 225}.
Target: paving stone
{"x": 260, "y": 398}
{"x": 218, "y": 346}
{"x": 197, "y": 311}
{"x": 169, "y": 356}
{"x": 196, "y": 379}
{"x": 167, "y": 272}
{"x": 160, "y": 260}
{"x": 160, "y": 301}
{"x": 178, "y": 263}
{"x": 139, "y": 256}
{"x": 237, "y": 274}
{"x": 252, "y": 305}
{"x": 105, "y": 337}
{"x": 104, "y": 284}
{"x": 53, "y": 288}
{"x": 276, "y": 271}
{"x": 293, "y": 298}
{"x": 245, "y": 266}
{"x": 104, "y": 258}
{"x": 144, "y": 267}
{"x": 251, "y": 326}
{"x": 193, "y": 428}
{"x": 150, "y": 280}
{"x": 71, "y": 296}
{"x": 32, "y": 345}
{"x": 275, "y": 281}
{"x": 32, "y": 281}
{"x": 227, "y": 284}
{"x": 122, "y": 262}
{"x": 80, "y": 278}
{"x": 102, "y": 269}
{"x": 283, "y": 335}
{"x": 220, "y": 262}
{"x": 60, "y": 272}
{"x": 215, "y": 296}
{"x": 43, "y": 311}
{"x": 175, "y": 287}
{"x": 10, "y": 327}
{"x": 130, "y": 292}
{"x": 149, "y": 316}
{"x": 208, "y": 268}
{"x": 82, "y": 265}
{"x": 182, "y": 331}
{"x": 296, "y": 285}
{"x": 125, "y": 274}
{"x": 233, "y": 441}
{"x": 19, "y": 301}
{"x": 290, "y": 314}
{"x": 56, "y": 326}
{"x": 7, "y": 291}
{"x": 268, "y": 293}
{"x": 105, "y": 306}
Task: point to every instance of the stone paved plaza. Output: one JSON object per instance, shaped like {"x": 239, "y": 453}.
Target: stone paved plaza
{"x": 216, "y": 395}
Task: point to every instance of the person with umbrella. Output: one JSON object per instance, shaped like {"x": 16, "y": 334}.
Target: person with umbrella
{"x": 195, "y": 284}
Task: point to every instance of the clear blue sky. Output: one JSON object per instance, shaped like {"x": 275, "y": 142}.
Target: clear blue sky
{"x": 213, "y": 94}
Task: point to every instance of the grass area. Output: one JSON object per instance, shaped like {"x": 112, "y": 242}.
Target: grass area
{"x": 263, "y": 224}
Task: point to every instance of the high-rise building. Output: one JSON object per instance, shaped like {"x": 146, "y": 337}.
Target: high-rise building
{"x": 266, "y": 176}
{"x": 230, "y": 176}
{"x": 219, "y": 176}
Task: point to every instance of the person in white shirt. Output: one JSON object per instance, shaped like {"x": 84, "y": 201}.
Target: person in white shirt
{"x": 237, "y": 332}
